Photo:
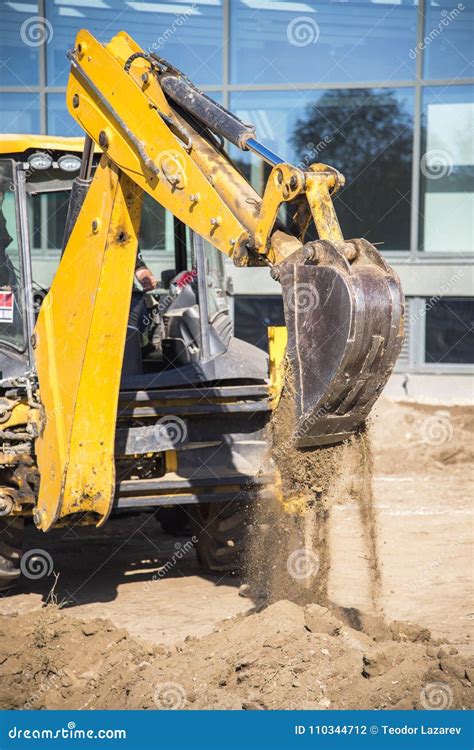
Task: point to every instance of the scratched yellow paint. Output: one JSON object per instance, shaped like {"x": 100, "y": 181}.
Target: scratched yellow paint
{"x": 277, "y": 341}
{"x": 80, "y": 339}
{"x": 167, "y": 155}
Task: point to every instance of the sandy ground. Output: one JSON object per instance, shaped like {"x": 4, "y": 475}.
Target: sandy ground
{"x": 425, "y": 546}
{"x": 109, "y": 573}
{"x": 422, "y": 491}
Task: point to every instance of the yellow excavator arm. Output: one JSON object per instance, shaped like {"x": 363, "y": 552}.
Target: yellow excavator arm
{"x": 117, "y": 94}
{"x": 162, "y": 136}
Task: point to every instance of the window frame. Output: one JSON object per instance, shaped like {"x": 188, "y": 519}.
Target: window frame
{"x": 408, "y": 258}
{"x": 25, "y": 281}
{"x": 411, "y": 253}
{"x": 415, "y": 319}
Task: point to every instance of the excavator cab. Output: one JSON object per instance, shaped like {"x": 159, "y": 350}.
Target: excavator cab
{"x": 36, "y": 175}
{"x": 193, "y": 403}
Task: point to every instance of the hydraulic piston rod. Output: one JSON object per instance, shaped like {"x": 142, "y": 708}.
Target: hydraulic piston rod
{"x": 263, "y": 152}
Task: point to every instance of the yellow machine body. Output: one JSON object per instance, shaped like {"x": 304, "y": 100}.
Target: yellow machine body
{"x": 150, "y": 147}
{"x": 79, "y": 344}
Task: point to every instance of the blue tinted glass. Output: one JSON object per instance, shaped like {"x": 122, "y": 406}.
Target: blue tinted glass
{"x": 323, "y": 41}
{"x": 215, "y": 95}
{"x": 365, "y": 133}
{"x": 189, "y": 35}
{"x": 448, "y": 39}
{"x": 19, "y": 113}
{"x": 59, "y": 120}
{"x": 22, "y": 33}
{"x": 447, "y": 170}
{"x": 449, "y": 331}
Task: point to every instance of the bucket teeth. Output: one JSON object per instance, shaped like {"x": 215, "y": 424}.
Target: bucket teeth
{"x": 344, "y": 316}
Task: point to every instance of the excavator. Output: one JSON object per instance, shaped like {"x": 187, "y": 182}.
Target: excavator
{"x": 115, "y": 399}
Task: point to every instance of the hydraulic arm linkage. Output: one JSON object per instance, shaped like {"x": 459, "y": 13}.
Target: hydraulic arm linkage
{"x": 160, "y": 135}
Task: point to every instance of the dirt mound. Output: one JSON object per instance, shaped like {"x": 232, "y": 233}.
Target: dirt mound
{"x": 305, "y": 653}
{"x": 284, "y": 657}
{"x": 421, "y": 437}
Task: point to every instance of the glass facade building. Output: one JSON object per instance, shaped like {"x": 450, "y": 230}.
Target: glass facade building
{"x": 381, "y": 89}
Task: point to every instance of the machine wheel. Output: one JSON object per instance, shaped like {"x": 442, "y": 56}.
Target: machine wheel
{"x": 11, "y": 544}
{"x": 175, "y": 521}
{"x": 221, "y": 531}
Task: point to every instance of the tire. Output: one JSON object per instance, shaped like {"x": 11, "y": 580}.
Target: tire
{"x": 221, "y": 530}
{"x": 11, "y": 545}
{"x": 174, "y": 521}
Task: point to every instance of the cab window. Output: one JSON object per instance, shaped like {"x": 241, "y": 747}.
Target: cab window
{"x": 11, "y": 317}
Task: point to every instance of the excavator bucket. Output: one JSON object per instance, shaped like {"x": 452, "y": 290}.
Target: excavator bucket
{"x": 344, "y": 315}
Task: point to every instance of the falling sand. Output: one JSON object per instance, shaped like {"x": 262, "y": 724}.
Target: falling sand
{"x": 289, "y": 552}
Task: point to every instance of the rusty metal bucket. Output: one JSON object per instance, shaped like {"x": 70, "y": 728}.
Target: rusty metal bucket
{"x": 344, "y": 314}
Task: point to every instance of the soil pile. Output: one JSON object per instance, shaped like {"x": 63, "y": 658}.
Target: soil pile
{"x": 419, "y": 438}
{"x": 284, "y": 657}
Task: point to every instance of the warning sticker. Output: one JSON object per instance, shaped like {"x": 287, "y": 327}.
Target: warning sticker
{"x": 6, "y": 306}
